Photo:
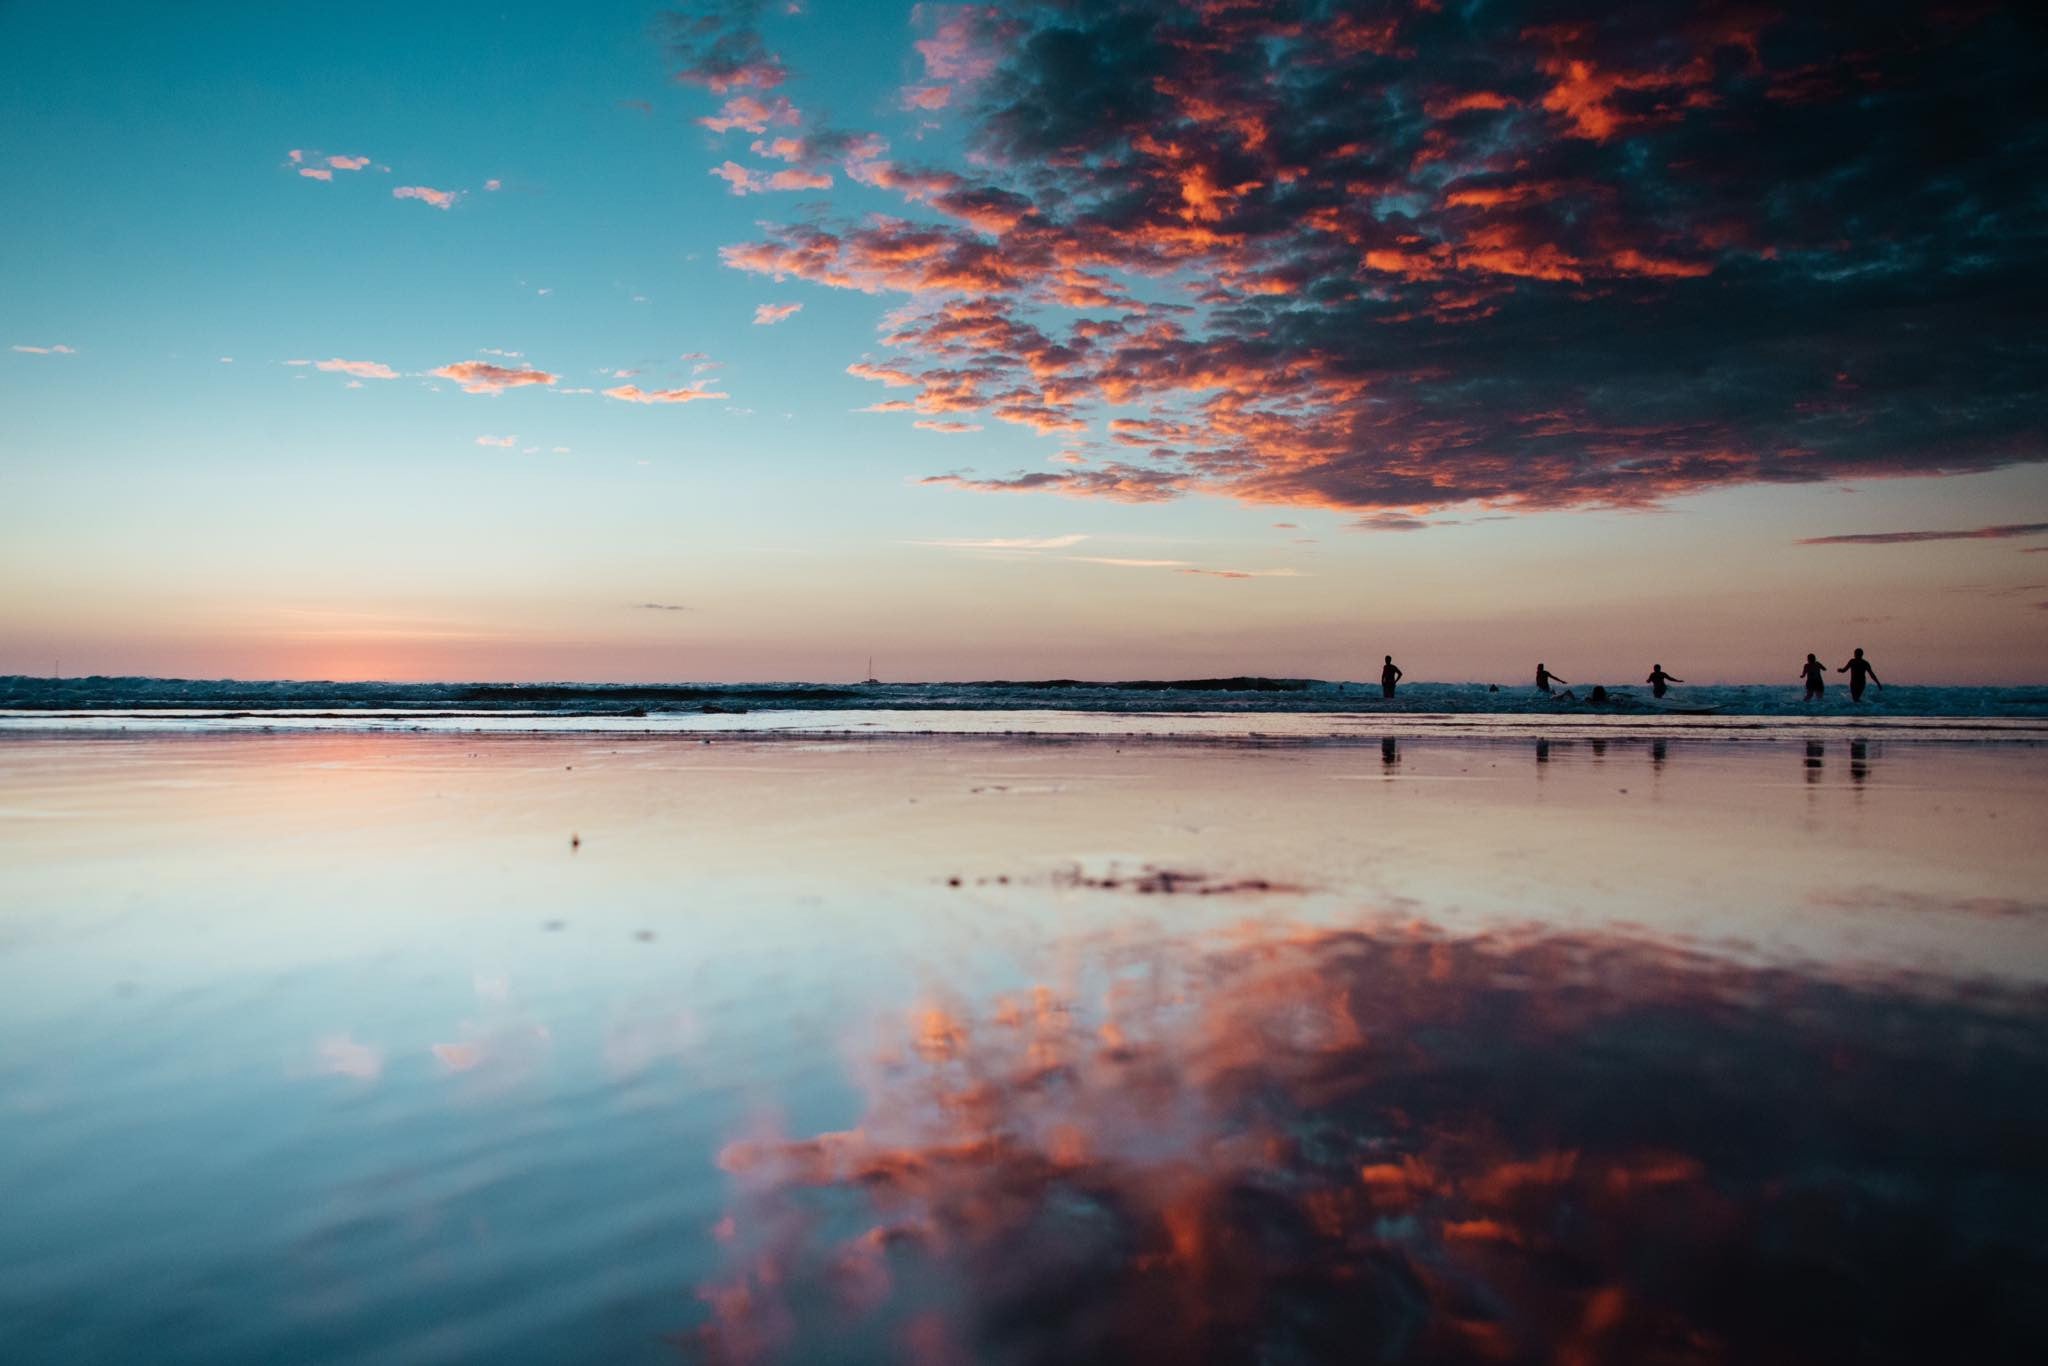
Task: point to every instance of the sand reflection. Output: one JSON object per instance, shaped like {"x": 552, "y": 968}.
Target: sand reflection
{"x": 1394, "y": 1144}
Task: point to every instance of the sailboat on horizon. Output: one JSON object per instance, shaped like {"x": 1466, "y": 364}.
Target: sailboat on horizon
{"x": 871, "y": 671}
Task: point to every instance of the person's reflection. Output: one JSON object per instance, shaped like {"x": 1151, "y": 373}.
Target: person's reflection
{"x": 1859, "y": 760}
{"x": 1599, "y": 749}
{"x": 1542, "y": 753}
{"x": 1657, "y": 755}
{"x": 1390, "y": 752}
{"x": 1816, "y": 758}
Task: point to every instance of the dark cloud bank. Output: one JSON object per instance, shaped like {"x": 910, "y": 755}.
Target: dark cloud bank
{"x": 1403, "y": 256}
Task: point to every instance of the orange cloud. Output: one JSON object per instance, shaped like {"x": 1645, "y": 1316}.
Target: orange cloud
{"x": 361, "y": 369}
{"x": 767, "y": 315}
{"x": 633, "y": 393}
{"x": 440, "y": 199}
{"x": 482, "y": 377}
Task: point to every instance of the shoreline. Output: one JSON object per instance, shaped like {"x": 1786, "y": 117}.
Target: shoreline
{"x": 1320, "y": 727}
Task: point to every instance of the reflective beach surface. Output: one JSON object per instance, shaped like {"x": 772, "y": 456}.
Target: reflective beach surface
{"x": 411, "y": 1048}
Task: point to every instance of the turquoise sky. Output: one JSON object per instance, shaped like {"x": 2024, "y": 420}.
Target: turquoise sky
{"x": 181, "y": 498}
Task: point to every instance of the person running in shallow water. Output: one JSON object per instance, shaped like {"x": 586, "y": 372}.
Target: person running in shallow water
{"x": 1544, "y": 678}
{"x": 1816, "y": 675}
{"x": 1389, "y": 676}
{"x": 1658, "y": 680}
{"x": 1859, "y": 671}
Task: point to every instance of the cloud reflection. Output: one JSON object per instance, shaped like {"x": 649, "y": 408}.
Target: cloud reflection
{"x": 1394, "y": 1144}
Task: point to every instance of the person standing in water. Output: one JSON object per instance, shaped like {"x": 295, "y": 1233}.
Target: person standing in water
{"x": 1544, "y": 678}
{"x": 1859, "y": 671}
{"x": 1389, "y": 676}
{"x": 1816, "y": 675}
{"x": 1658, "y": 680}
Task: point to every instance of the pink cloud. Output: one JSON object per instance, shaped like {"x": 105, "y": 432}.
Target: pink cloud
{"x": 752, "y": 114}
{"x": 927, "y": 96}
{"x": 494, "y": 184}
{"x": 767, "y": 315}
{"x": 348, "y": 163}
{"x": 745, "y": 180}
{"x": 361, "y": 369}
{"x": 633, "y": 393}
{"x": 937, "y": 425}
{"x": 481, "y": 377}
{"x": 315, "y": 173}
{"x": 505, "y": 441}
{"x": 440, "y": 199}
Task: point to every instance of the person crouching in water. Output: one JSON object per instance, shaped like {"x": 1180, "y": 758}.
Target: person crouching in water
{"x": 1859, "y": 671}
{"x": 1389, "y": 676}
{"x": 1659, "y": 681}
{"x": 1816, "y": 675}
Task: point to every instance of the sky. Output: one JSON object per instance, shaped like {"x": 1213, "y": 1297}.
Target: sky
{"x": 1107, "y": 340}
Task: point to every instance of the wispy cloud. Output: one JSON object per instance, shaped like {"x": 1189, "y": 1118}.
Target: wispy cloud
{"x": 506, "y": 441}
{"x": 426, "y": 194}
{"x": 45, "y": 350}
{"x": 659, "y": 607}
{"x": 767, "y": 315}
{"x": 1006, "y": 543}
{"x": 1389, "y": 521}
{"x": 633, "y": 393}
{"x": 482, "y": 377}
{"x": 361, "y": 369}
{"x": 1248, "y": 573}
{"x": 931, "y": 424}
{"x": 1982, "y": 533}
{"x": 1124, "y": 562}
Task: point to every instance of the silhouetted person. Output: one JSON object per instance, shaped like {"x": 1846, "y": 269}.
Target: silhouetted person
{"x": 1598, "y": 697}
{"x": 1544, "y": 678}
{"x": 1816, "y": 675}
{"x": 1859, "y": 671}
{"x": 1658, "y": 679}
{"x": 1389, "y": 676}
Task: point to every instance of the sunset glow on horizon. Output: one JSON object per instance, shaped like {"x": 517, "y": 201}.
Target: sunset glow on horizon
{"x": 748, "y": 340}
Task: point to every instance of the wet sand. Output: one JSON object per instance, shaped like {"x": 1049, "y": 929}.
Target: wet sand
{"x": 339, "y": 1046}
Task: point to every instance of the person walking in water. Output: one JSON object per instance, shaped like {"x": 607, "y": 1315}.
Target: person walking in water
{"x": 1389, "y": 676}
{"x": 1859, "y": 671}
{"x": 1816, "y": 675}
{"x": 1659, "y": 680}
{"x": 1544, "y": 678}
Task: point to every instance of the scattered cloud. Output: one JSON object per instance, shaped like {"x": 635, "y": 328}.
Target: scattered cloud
{"x": 505, "y": 441}
{"x": 494, "y": 185}
{"x": 1982, "y": 533}
{"x": 59, "y": 350}
{"x": 440, "y": 199}
{"x": 716, "y": 45}
{"x": 927, "y": 97}
{"x": 1124, "y": 562}
{"x": 659, "y": 607}
{"x": 348, "y": 163}
{"x": 360, "y": 369}
{"x": 767, "y": 315}
{"x": 316, "y": 173}
{"x": 482, "y": 377}
{"x": 933, "y": 424}
{"x": 633, "y": 393}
